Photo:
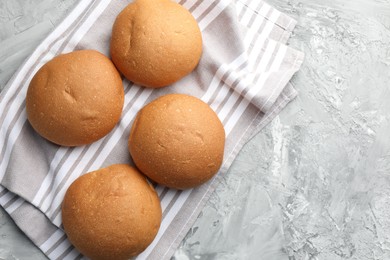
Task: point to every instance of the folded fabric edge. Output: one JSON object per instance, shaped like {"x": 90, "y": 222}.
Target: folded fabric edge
{"x": 271, "y": 15}
{"x": 283, "y": 82}
{"x": 287, "y": 33}
{"x": 264, "y": 93}
{"x": 262, "y": 85}
{"x": 283, "y": 21}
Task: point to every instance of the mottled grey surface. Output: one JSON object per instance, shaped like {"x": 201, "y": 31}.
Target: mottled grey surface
{"x": 315, "y": 183}
{"x": 23, "y": 25}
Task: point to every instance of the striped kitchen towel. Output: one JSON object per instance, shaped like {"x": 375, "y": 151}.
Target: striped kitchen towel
{"x": 243, "y": 75}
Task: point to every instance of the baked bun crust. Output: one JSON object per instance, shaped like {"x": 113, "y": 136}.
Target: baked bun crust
{"x": 155, "y": 42}
{"x": 112, "y": 213}
{"x": 75, "y": 98}
{"x": 177, "y": 141}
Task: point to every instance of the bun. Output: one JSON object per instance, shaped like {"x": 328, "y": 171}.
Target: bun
{"x": 177, "y": 141}
{"x": 111, "y": 213}
{"x": 155, "y": 42}
{"x": 75, "y": 98}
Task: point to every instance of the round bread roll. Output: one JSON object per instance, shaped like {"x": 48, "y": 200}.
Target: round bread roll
{"x": 177, "y": 141}
{"x": 75, "y": 98}
{"x": 112, "y": 213}
{"x": 155, "y": 42}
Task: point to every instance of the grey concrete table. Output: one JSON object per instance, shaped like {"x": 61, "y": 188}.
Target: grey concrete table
{"x": 315, "y": 183}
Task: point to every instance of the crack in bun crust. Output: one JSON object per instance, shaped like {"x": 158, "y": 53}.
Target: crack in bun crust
{"x": 75, "y": 98}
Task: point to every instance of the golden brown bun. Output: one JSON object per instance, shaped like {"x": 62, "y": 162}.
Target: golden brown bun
{"x": 177, "y": 141}
{"x": 155, "y": 42}
{"x": 112, "y": 213}
{"x": 75, "y": 98}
